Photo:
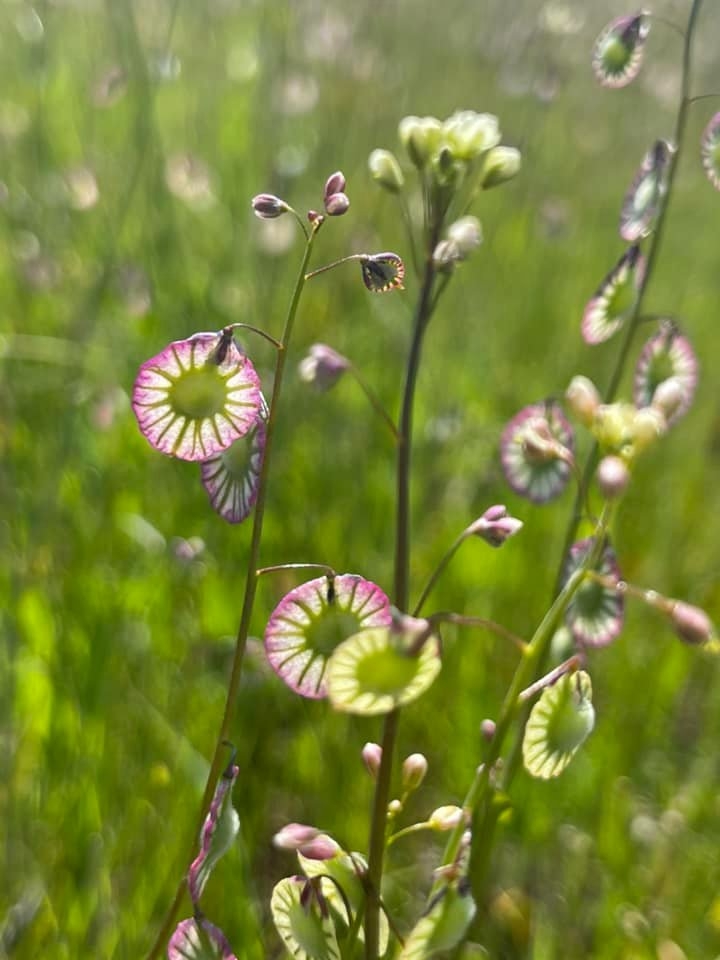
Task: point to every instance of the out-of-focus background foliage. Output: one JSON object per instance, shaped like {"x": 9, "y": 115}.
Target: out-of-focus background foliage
{"x": 132, "y": 136}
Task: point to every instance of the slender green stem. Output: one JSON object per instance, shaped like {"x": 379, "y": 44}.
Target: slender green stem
{"x": 261, "y": 333}
{"x": 276, "y": 567}
{"x": 439, "y": 570}
{"x": 375, "y": 402}
{"x": 461, "y": 620}
{"x": 376, "y": 847}
{"x": 407, "y": 220}
{"x": 704, "y": 96}
{"x": 636, "y": 317}
{"x": 336, "y": 263}
{"x": 406, "y": 831}
{"x": 250, "y": 587}
{"x": 377, "y": 835}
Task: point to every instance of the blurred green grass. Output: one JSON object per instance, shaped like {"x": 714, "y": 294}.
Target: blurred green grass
{"x": 132, "y": 137}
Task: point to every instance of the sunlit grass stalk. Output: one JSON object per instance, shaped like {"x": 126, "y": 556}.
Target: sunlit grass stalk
{"x": 251, "y": 580}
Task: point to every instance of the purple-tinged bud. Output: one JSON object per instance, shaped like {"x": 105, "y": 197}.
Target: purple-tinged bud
{"x": 321, "y": 847}
{"x": 267, "y": 206}
{"x": 495, "y": 526}
{"x": 487, "y": 729}
{"x": 500, "y": 165}
{"x": 322, "y": 367}
{"x": 372, "y": 757}
{"x": 583, "y": 399}
{"x": 691, "y": 623}
{"x": 414, "y": 769}
{"x": 466, "y": 234}
{"x": 335, "y": 183}
{"x": 413, "y": 631}
{"x": 385, "y": 170}
{"x": 337, "y": 204}
{"x": 446, "y": 818}
{"x": 612, "y": 476}
{"x": 669, "y": 398}
{"x": 314, "y": 218}
{"x": 294, "y": 835}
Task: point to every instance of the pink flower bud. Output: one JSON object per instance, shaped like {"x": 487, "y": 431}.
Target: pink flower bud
{"x": 267, "y": 206}
{"x": 335, "y": 183}
{"x": 294, "y": 835}
{"x": 612, "y": 476}
{"x": 414, "y": 769}
{"x": 322, "y": 367}
{"x": 487, "y": 729}
{"x": 691, "y": 623}
{"x": 372, "y": 756}
{"x": 321, "y": 847}
{"x": 446, "y": 818}
{"x": 495, "y": 526}
{"x": 337, "y": 204}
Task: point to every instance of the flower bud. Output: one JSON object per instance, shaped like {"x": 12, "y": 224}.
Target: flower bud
{"x": 487, "y": 729}
{"x": 335, "y": 183}
{"x": 445, "y": 818}
{"x": 372, "y": 757}
{"x": 394, "y": 808}
{"x": 294, "y": 835}
{"x": 412, "y": 631}
{"x": 385, "y": 170}
{"x": 495, "y": 526}
{"x": 337, "y": 204}
{"x": 414, "y": 769}
{"x": 501, "y": 164}
{"x": 470, "y": 134}
{"x": 322, "y": 367}
{"x": 267, "y": 206}
{"x": 446, "y": 170}
{"x": 445, "y": 256}
{"x": 613, "y": 425}
{"x": 466, "y": 234}
{"x": 321, "y": 847}
{"x": 420, "y": 137}
{"x": 583, "y": 399}
{"x": 691, "y": 623}
{"x": 669, "y": 397}
{"x": 648, "y": 425}
{"x": 612, "y": 476}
